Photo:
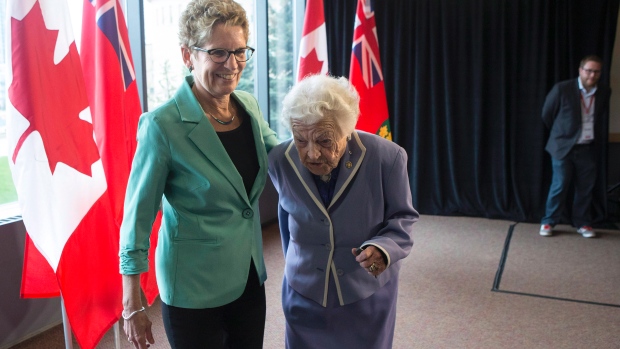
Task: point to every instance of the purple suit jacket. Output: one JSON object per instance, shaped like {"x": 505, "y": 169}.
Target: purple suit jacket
{"x": 371, "y": 206}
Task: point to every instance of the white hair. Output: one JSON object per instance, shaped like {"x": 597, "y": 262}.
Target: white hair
{"x": 320, "y": 97}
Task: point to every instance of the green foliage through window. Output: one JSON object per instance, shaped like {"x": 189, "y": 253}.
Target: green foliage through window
{"x": 281, "y": 60}
{"x": 7, "y": 189}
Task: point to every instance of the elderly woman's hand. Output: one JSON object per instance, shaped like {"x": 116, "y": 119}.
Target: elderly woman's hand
{"x": 370, "y": 259}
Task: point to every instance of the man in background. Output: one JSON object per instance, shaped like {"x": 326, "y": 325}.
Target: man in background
{"x": 573, "y": 112}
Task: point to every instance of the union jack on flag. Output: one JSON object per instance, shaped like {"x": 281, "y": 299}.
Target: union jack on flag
{"x": 107, "y": 21}
{"x": 366, "y": 45}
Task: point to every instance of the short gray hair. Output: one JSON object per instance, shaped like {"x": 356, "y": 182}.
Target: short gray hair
{"x": 200, "y": 16}
{"x": 320, "y": 97}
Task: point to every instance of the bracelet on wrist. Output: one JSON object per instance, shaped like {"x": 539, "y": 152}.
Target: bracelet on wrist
{"x": 132, "y": 313}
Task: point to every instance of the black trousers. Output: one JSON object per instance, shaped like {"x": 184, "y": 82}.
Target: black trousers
{"x": 237, "y": 325}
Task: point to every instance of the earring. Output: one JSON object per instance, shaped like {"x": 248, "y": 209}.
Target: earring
{"x": 191, "y": 67}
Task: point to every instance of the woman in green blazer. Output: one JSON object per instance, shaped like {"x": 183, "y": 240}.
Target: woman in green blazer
{"x": 202, "y": 155}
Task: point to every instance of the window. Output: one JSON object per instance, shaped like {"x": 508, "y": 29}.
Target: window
{"x": 281, "y": 60}
{"x": 164, "y": 66}
{"x": 8, "y": 195}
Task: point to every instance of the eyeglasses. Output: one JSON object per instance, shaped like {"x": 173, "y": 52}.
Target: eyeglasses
{"x": 590, "y": 71}
{"x": 220, "y": 55}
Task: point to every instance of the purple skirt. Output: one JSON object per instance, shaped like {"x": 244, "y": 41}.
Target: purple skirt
{"x": 368, "y": 323}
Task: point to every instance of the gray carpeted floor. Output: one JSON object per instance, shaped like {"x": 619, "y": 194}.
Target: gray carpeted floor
{"x": 446, "y": 297}
{"x": 564, "y": 266}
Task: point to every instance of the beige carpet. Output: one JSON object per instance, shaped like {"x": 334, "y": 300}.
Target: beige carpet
{"x": 446, "y": 298}
{"x": 565, "y": 266}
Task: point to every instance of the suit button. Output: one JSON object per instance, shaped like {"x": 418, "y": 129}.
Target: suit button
{"x": 339, "y": 272}
{"x": 328, "y": 247}
{"x": 248, "y": 213}
{"x": 325, "y": 221}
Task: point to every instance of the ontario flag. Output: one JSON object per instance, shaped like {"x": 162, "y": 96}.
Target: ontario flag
{"x": 366, "y": 73}
{"x": 115, "y": 104}
{"x": 61, "y": 162}
{"x": 313, "y": 45}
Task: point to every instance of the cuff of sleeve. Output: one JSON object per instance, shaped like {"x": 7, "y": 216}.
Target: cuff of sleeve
{"x": 386, "y": 256}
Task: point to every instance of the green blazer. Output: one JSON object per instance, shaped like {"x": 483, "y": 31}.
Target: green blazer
{"x": 211, "y": 228}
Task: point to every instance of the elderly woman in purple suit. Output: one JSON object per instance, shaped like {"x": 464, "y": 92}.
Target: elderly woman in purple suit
{"x": 345, "y": 217}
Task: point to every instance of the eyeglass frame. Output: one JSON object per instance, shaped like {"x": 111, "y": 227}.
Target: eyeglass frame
{"x": 591, "y": 71}
{"x": 210, "y": 53}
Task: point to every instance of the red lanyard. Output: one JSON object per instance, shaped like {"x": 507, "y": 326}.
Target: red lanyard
{"x": 583, "y": 104}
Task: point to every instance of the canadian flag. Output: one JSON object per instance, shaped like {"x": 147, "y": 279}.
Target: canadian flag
{"x": 70, "y": 190}
{"x": 366, "y": 74}
{"x": 313, "y": 45}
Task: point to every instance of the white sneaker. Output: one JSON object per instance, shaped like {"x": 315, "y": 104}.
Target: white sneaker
{"x": 586, "y": 232}
{"x": 546, "y": 230}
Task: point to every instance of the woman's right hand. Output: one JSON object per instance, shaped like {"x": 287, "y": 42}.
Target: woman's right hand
{"x": 137, "y": 326}
{"x": 138, "y": 329}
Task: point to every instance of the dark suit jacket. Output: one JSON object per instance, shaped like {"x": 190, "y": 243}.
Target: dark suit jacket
{"x": 562, "y": 115}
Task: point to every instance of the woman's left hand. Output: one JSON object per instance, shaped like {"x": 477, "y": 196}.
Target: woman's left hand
{"x": 370, "y": 259}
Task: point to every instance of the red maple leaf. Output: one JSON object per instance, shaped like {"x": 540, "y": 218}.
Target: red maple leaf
{"x": 310, "y": 64}
{"x": 50, "y": 96}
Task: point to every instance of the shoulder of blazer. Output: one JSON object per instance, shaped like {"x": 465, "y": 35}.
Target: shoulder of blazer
{"x": 377, "y": 144}
{"x": 570, "y": 85}
{"x": 248, "y": 102}
{"x": 167, "y": 108}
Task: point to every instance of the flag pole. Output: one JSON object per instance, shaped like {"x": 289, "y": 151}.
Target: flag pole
{"x": 117, "y": 335}
{"x": 66, "y": 325}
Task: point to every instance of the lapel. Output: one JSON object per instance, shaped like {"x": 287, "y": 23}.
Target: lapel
{"x": 251, "y": 107}
{"x": 576, "y": 101}
{"x": 349, "y": 165}
{"x": 205, "y": 138}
